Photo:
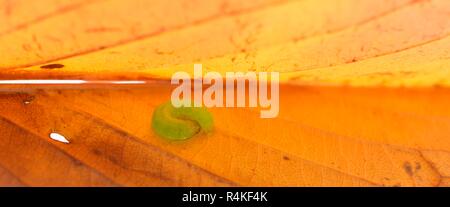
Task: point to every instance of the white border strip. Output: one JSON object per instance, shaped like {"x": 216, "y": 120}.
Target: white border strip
{"x": 43, "y": 81}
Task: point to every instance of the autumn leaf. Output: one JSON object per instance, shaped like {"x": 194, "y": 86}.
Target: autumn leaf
{"x": 359, "y": 100}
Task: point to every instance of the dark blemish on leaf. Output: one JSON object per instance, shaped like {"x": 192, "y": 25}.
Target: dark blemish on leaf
{"x": 102, "y": 154}
{"x": 77, "y": 162}
{"x": 160, "y": 52}
{"x": 352, "y": 60}
{"x": 286, "y": 158}
{"x": 113, "y": 160}
{"x": 408, "y": 168}
{"x": 97, "y": 152}
{"x": 52, "y": 66}
{"x": 438, "y": 85}
{"x": 418, "y": 166}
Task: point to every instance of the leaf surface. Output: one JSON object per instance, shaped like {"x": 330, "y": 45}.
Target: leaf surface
{"x": 394, "y": 131}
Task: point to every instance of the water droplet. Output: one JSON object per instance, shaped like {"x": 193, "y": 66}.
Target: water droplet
{"x": 58, "y": 137}
{"x": 28, "y": 100}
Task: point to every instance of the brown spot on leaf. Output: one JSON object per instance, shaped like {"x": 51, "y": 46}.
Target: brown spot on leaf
{"x": 418, "y": 166}
{"x": 408, "y": 168}
{"x": 52, "y": 66}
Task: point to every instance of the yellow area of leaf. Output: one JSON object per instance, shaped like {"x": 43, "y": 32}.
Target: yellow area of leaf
{"x": 17, "y": 14}
{"x": 109, "y": 23}
{"x": 350, "y": 42}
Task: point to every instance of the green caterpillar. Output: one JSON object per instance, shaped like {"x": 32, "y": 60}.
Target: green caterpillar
{"x": 180, "y": 123}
